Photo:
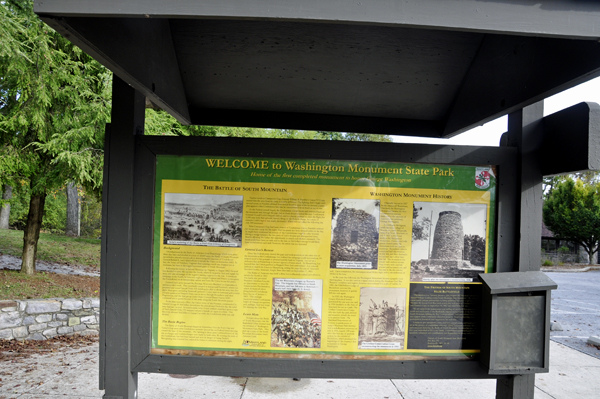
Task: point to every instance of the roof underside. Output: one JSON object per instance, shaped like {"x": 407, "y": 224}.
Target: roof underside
{"x": 423, "y": 74}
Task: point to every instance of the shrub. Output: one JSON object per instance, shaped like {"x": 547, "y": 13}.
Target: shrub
{"x": 564, "y": 250}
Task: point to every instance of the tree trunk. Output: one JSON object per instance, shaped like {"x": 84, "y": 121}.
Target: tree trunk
{"x": 5, "y": 211}
{"x": 72, "y": 227}
{"x": 590, "y": 253}
{"x": 31, "y": 234}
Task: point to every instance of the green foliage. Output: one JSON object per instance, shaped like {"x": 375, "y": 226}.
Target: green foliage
{"x": 547, "y": 262}
{"x": 54, "y": 101}
{"x": 160, "y": 123}
{"x": 55, "y": 211}
{"x": 572, "y": 212}
{"x": 322, "y": 135}
{"x": 564, "y": 250}
{"x": 550, "y": 182}
{"x": 19, "y": 205}
{"x": 91, "y": 216}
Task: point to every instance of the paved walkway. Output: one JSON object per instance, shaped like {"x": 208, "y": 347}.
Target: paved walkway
{"x": 73, "y": 373}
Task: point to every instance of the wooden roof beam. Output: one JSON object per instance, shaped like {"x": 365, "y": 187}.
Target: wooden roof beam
{"x": 512, "y": 72}
{"x": 145, "y": 57}
{"x": 556, "y": 18}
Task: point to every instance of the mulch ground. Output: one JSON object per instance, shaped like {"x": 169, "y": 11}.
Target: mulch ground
{"x": 11, "y": 348}
{"x": 70, "y": 286}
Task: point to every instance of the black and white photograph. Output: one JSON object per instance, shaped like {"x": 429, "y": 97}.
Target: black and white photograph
{"x": 203, "y": 220}
{"x": 354, "y": 233}
{"x": 296, "y": 313}
{"x": 448, "y": 241}
{"x": 381, "y": 318}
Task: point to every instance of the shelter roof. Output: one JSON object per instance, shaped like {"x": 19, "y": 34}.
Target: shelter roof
{"x": 429, "y": 68}
{"x": 546, "y": 232}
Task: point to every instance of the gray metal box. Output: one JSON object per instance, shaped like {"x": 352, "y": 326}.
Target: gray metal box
{"x": 515, "y": 330}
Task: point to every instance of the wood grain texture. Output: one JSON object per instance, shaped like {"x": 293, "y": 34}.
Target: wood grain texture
{"x": 573, "y": 19}
{"x": 313, "y": 368}
{"x": 126, "y": 121}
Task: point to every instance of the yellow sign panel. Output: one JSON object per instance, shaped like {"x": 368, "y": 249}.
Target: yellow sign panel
{"x": 279, "y": 266}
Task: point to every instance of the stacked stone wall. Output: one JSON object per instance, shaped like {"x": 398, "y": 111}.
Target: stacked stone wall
{"x": 40, "y": 319}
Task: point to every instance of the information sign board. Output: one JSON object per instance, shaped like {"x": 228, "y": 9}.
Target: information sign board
{"x": 267, "y": 257}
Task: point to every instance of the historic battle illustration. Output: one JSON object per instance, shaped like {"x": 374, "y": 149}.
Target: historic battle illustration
{"x": 455, "y": 249}
{"x": 203, "y": 219}
{"x": 295, "y": 316}
{"x": 382, "y": 318}
{"x": 354, "y": 233}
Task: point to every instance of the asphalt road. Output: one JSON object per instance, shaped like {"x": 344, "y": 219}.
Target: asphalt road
{"x": 576, "y": 307}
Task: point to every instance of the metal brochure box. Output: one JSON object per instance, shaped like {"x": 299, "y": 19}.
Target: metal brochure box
{"x": 516, "y": 322}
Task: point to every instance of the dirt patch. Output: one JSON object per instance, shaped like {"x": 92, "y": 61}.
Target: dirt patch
{"x": 16, "y": 285}
{"x": 11, "y": 349}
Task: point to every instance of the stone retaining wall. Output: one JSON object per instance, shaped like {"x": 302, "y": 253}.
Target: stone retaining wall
{"x": 46, "y": 318}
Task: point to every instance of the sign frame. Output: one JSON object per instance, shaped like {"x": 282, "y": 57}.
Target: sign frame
{"x": 146, "y": 149}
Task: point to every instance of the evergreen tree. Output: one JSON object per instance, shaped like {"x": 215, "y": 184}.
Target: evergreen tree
{"x": 54, "y": 102}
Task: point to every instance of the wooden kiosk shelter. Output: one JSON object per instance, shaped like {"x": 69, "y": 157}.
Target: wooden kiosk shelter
{"x": 430, "y": 68}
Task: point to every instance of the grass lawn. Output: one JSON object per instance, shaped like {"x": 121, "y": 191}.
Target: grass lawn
{"x": 52, "y": 248}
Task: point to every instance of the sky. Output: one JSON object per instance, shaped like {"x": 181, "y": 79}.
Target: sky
{"x": 489, "y": 134}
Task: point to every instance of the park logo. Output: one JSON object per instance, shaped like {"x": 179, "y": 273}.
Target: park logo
{"x": 259, "y": 344}
{"x": 483, "y": 176}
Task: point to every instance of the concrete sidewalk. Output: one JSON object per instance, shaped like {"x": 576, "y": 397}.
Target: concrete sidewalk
{"x": 73, "y": 373}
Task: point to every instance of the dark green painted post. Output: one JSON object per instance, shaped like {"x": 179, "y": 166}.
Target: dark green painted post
{"x": 127, "y": 120}
{"x": 526, "y": 134}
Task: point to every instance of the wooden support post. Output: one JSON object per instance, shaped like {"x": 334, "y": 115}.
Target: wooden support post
{"x": 526, "y": 134}
{"x": 116, "y": 376}
{"x": 518, "y": 386}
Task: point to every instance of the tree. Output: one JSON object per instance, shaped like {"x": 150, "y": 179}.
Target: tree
{"x": 588, "y": 177}
{"x": 53, "y": 107}
{"x": 421, "y": 228}
{"x": 572, "y": 213}
{"x": 72, "y": 226}
{"x": 160, "y": 123}
{"x": 5, "y": 206}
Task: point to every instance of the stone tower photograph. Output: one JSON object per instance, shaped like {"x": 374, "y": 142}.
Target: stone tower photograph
{"x": 450, "y": 245}
{"x": 354, "y": 233}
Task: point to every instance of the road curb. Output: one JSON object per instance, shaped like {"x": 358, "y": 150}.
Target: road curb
{"x": 582, "y": 270}
{"x": 594, "y": 341}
